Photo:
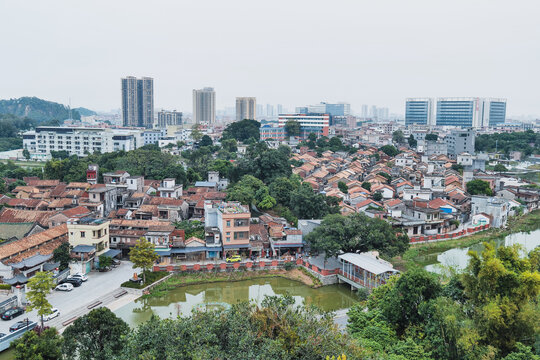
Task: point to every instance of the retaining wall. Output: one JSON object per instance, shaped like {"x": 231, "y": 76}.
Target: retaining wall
{"x": 443, "y": 237}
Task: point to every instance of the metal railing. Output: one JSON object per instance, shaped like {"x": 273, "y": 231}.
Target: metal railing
{"x": 5, "y": 341}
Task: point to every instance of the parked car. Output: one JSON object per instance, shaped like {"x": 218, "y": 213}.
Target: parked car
{"x": 234, "y": 258}
{"x": 116, "y": 262}
{"x": 12, "y": 313}
{"x": 19, "y": 325}
{"x": 64, "y": 287}
{"x": 79, "y": 276}
{"x": 104, "y": 269}
{"x": 72, "y": 281}
{"x": 54, "y": 313}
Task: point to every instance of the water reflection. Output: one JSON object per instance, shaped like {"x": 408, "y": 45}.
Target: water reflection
{"x": 182, "y": 301}
{"x": 458, "y": 259}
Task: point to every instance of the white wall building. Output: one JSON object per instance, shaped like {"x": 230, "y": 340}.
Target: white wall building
{"x": 80, "y": 141}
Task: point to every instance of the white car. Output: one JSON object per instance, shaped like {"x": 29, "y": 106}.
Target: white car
{"x": 64, "y": 287}
{"x": 54, "y": 313}
{"x": 79, "y": 276}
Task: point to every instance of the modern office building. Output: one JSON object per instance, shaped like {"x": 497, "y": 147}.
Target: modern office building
{"x": 460, "y": 141}
{"x": 309, "y": 123}
{"x": 246, "y": 108}
{"x": 269, "y": 110}
{"x": 80, "y": 141}
{"x": 461, "y": 112}
{"x": 138, "y": 101}
{"x": 279, "y": 108}
{"x": 204, "y": 105}
{"x": 272, "y": 132}
{"x": 419, "y": 111}
{"x": 169, "y": 118}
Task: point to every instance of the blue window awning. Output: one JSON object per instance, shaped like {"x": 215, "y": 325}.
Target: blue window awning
{"x": 112, "y": 253}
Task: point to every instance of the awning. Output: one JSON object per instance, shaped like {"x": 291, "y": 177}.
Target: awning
{"x": 191, "y": 250}
{"x": 112, "y": 253}
{"x": 297, "y": 245}
{"x": 83, "y": 249}
{"x": 239, "y": 246}
{"x": 163, "y": 252}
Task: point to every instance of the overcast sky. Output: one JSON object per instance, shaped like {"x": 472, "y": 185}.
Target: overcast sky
{"x": 293, "y": 52}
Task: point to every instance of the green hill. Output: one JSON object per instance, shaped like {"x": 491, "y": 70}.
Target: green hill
{"x": 85, "y": 111}
{"x": 36, "y": 109}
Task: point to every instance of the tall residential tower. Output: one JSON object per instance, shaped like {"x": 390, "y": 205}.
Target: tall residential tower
{"x": 138, "y": 101}
{"x": 246, "y": 108}
{"x": 204, "y": 105}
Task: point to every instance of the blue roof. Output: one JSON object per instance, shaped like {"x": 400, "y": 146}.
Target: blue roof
{"x": 84, "y": 248}
{"x": 188, "y": 250}
{"x": 205, "y": 184}
{"x": 112, "y": 253}
{"x": 240, "y": 246}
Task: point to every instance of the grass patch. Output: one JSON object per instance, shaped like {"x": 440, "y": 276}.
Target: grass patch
{"x": 5, "y": 287}
{"x": 425, "y": 254}
{"x": 316, "y": 281}
{"x": 151, "y": 277}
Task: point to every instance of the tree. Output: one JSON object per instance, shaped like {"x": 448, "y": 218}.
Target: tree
{"x": 432, "y": 137}
{"x": 206, "y": 141}
{"x": 343, "y": 187}
{"x": 356, "y": 233}
{"x": 305, "y": 204}
{"x": 142, "y": 255}
{"x": 377, "y": 196}
{"x": 105, "y": 261}
{"x": 230, "y": 145}
{"x": 500, "y": 168}
{"x": 479, "y": 187}
{"x": 97, "y": 335}
{"x": 280, "y": 189}
{"x": 398, "y": 137}
{"x": 292, "y": 128}
{"x": 366, "y": 185}
{"x": 246, "y": 189}
{"x": 267, "y": 203}
{"x": 40, "y": 286}
{"x": 412, "y": 141}
{"x": 46, "y": 345}
{"x": 242, "y": 130}
{"x": 277, "y": 329}
{"x": 502, "y": 288}
{"x": 61, "y": 255}
{"x": 26, "y": 154}
{"x": 401, "y": 304}
{"x": 389, "y": 150}
{"x": 196, "y": 133}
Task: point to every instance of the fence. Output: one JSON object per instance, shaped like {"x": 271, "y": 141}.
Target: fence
{"x": 442, "y": 237}
{"x": 248, "y": 265}
{"x": 6, "y": 340}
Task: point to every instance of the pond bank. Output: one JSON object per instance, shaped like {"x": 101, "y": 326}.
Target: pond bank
{"x": 186, "y": 279}
{"x": 426, "y": 254}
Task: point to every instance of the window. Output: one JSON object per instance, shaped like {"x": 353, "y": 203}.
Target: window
{"x": 228, "y": 223}
{"x": 228, "y": 239}
{"x": 83, "y": 234}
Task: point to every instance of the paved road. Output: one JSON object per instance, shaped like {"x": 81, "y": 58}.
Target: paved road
{"x": 98, "y": 285}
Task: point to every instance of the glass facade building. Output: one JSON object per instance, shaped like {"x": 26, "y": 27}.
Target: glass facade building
{"x": 497, "y": 113}
{"x": 418, "y": 111}
{"x": 455, "y": 113}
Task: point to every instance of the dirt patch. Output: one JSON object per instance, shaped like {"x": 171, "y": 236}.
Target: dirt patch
{"x": 295, "y": 274}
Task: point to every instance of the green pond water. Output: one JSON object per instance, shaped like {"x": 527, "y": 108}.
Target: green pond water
{"x": 181, "y": 301}
{"x": 458, "y": 259}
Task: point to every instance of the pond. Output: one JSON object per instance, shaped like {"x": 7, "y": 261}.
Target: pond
{"x": 181, "y": 301}
{"x": 458, "y": 259}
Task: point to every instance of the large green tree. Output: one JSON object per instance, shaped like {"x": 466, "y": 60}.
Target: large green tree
{"x": 398, "y": 137}
{"x": 356, "y": 233}
{"x": 242, "y": 130}
{"x": 98, "y": 335}
{"x": 292, "y": 128}
{"x": 62, "y": 255}
{"x": 389, "y": 150}
{"x": 502, "y": 288}
{"x": 479, "y": 187}
{"x": 43, "y": 345}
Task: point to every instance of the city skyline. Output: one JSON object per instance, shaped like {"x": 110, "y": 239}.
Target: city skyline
{"x": 426, "y": 59}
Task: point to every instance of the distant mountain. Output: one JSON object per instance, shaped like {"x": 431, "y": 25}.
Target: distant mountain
{"x": 85, "y": 111}
{"x": 37, "y": 109}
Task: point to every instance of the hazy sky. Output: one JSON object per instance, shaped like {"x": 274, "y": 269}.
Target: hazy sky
{"x": 292, "y": 52}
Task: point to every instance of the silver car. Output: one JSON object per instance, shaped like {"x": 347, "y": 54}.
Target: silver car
{"x": 54, "y": 313}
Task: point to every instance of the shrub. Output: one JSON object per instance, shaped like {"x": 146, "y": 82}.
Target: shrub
{"x": 289, "y": 265}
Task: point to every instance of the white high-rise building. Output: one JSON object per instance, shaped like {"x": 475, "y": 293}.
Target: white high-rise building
{"x": 204, "y": 105}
